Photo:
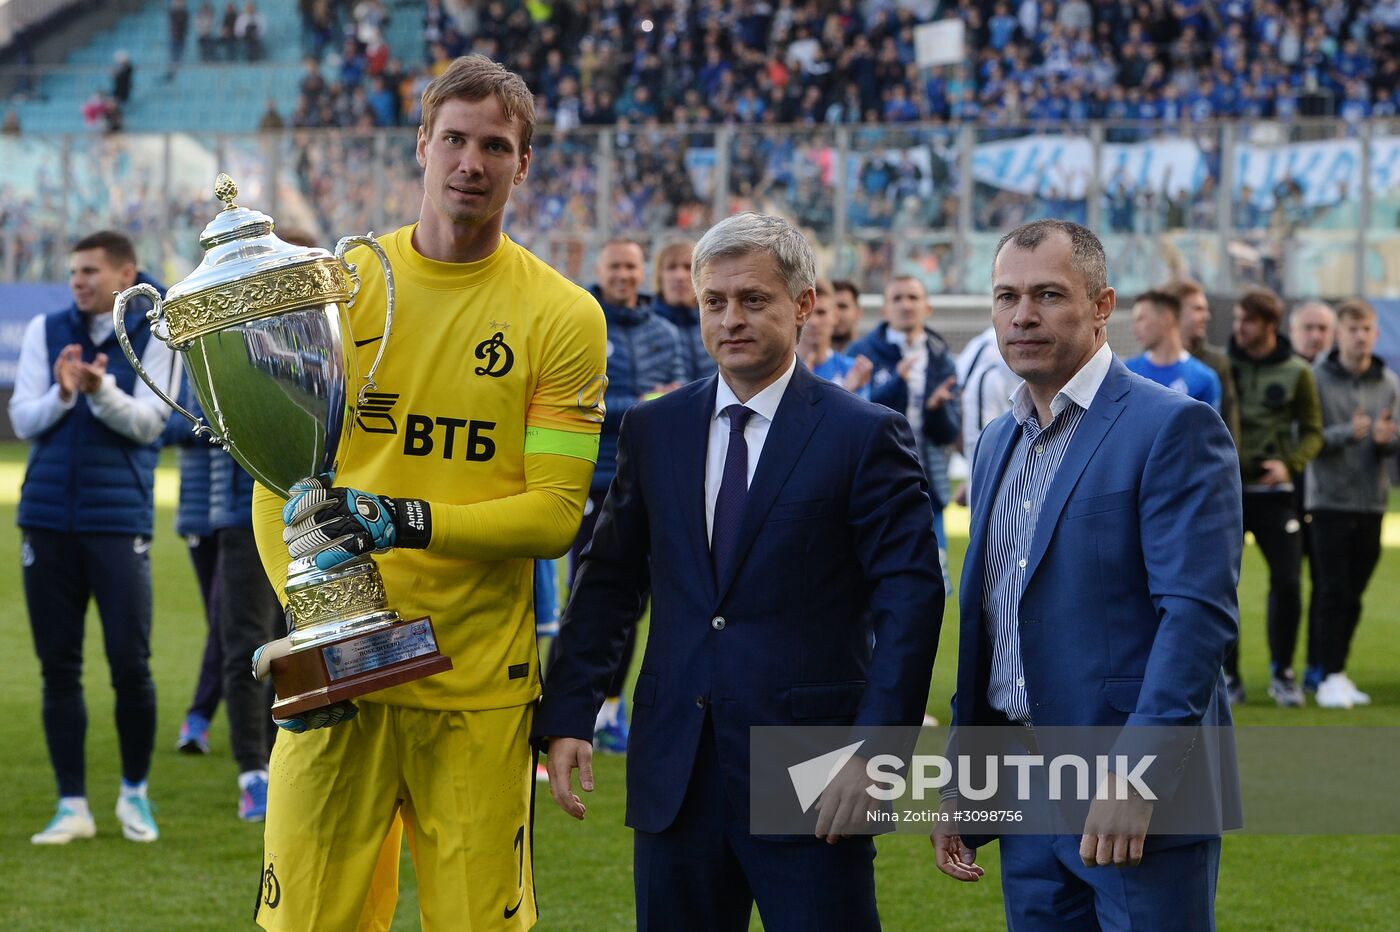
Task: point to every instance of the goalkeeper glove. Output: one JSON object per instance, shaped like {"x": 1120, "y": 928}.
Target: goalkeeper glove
{"x": 324, "y": 717}
{"x": 332, "y": 524}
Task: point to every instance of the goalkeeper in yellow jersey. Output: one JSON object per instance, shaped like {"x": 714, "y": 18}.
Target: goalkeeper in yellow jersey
{"x": 471, "y": 460}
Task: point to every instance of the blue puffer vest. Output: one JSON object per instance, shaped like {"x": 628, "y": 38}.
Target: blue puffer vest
{"x": 83, "y": 477}
{"x": 699, "y": 364}
{"x": 644, "y": 351}
{"x": 230, "y": 493}
{"x": 193, "y": 455}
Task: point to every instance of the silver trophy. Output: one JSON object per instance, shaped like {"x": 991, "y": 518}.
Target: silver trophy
{"x": 263, "y": 328}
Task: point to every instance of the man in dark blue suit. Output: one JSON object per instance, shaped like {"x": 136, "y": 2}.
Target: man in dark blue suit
{"x": 1098, "y": 589}
{"x": 780, "y": 525}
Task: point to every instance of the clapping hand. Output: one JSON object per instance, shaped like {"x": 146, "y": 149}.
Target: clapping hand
{"x": 1360, "y": 423}
{"x": 90, "y": 375}
{"x": 1383, "y": 431}
{"x": 859, "y": 374}
{"x": 66, "y": 370}
{"x": 942, "y": 394}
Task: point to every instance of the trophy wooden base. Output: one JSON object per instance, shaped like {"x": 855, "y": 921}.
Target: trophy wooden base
{"x": 320, "y": 674}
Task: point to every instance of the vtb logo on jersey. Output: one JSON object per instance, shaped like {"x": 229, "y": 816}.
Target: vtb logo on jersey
{"x": 498, "y": 355}
{"x": 475, "y": 443}
{"x": 374, "y": 417}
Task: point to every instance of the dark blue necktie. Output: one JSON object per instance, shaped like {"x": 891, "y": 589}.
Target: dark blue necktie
{"x": 733, "y": 491}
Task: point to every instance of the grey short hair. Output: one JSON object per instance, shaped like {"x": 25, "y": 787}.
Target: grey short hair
{"x": 1313, "y": 303}
{"x": 749, "y": 232}
{"x": 1086, "y": 252}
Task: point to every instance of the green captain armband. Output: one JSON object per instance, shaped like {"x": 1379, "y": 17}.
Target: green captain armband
{"x": 561, "y": 443}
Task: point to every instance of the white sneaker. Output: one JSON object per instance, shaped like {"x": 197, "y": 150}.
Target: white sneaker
{"x": 1332, "y": 693}
{"x": 134, "y": 813}
{"x": 1357, "y": 696}
{"x": 65, "y": 826}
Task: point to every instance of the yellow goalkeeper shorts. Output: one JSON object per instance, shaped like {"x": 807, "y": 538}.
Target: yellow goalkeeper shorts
{"x": 460, "y": 784}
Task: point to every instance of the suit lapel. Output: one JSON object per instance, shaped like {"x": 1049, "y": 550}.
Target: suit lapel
{"x": 692, "y": 442}
{"x": 988, "y": 481}
{"x": 1096, "y": 423}
{"x": 797, "y": 416}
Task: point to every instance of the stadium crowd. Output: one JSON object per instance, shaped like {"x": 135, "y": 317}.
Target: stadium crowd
{"x": 613, "y": 62}
{"x": 635, "y": 92}
{"x": 662, "y": 73}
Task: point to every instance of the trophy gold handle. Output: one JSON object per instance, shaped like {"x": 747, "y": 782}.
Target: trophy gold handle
{"x": 201, "y": 429}
{"x": 341, "y": 248}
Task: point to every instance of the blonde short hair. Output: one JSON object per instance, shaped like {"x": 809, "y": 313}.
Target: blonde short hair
{"x": 1358, "y": 308}
{"x": 669, "y": 252}
{"x": 476, "y": 77}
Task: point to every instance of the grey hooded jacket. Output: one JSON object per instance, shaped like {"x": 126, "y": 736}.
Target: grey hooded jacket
{"x": 1351, "y": 474}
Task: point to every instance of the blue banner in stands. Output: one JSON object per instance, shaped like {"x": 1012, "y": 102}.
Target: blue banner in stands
{"x": 1324, "y": 173}
{"x": 18, "y": 306}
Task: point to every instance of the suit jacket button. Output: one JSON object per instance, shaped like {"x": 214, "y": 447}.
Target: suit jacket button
{"x": 717, "y": 622}
{"x": 699, "y": 702}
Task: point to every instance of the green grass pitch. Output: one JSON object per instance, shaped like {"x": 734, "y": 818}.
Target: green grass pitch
{"x": 204, "y": 872}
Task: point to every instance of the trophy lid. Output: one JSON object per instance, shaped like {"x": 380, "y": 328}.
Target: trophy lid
{"x": 233, "y": 222}
{"x": 248, "y": 272}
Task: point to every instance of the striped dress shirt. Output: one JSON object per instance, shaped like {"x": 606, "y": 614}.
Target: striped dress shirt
{"x": 1012, "y": 524}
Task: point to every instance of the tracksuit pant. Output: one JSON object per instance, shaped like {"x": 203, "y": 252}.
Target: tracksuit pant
{"x": 204, "y": 554}
{"x": 249, "y": 616}
{"x": 1346, "y": 546}
{"x": 62, "y": 573}
{"x": 1273, "y": 519}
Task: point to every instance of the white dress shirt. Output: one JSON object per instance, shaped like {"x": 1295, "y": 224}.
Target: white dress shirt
{"x": 915, "y": 347}
{"x": 1081, "y": 388}
{"x": 763, "y": 405}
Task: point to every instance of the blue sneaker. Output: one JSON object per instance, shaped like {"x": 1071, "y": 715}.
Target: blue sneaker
{"x": 194, "y": 735}
{"x": 1312, "y": 678}
{"x": 134, "y": 814}
{"x": 252, "y": 798}
{"x": 612, "y": 737}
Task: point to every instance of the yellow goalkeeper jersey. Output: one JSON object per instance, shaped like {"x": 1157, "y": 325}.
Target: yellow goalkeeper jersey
{"x": 487, "y": 362}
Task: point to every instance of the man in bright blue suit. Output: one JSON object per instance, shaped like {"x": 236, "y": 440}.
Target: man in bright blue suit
{"x": 1098, "y": 589}
{"x": 780, "y": 525}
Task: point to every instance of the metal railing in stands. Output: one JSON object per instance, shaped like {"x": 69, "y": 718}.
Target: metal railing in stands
{"x": 1310, "y": 207}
